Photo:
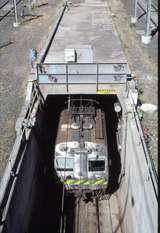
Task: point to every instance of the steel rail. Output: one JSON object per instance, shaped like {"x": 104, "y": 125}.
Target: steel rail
{"x": 97, "y": 215}
{"x": 62, "y": 210}
{"x": 78, "y": 215}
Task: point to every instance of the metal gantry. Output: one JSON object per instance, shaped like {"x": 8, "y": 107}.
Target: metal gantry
{"x": 147, "y": 7}
{"x": 12, "y": 7}
{"x": 15, "y": 3}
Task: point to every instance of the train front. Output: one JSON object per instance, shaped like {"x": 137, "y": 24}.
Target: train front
{"x": 81, "y": 161}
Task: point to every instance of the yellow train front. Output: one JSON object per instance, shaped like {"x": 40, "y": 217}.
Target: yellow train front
{"x": 81, "y": 154}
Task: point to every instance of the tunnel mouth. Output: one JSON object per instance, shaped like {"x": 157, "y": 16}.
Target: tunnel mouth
{"x": 47, "y": 210}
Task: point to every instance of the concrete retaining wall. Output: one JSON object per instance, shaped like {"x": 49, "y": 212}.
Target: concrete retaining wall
{"x": 137, "y": 197}
{"x": 26, "y": 185}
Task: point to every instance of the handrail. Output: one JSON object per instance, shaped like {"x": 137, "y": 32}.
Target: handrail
{"x": 15, "y": 159}
{"x": 151, "y": 166}
{"x": 66, "y": 73}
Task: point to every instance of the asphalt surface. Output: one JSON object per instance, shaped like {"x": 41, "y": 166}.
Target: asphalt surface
{"x": 15, "y": 67}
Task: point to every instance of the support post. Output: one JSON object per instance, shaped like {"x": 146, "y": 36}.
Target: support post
{"x": 97, "y": 75}
{"x": 147, "y": 37}
{"x": 134, "y": 18}
{"x": 29, "y": 5}
{"x": 16, "y": 23}
{"x": 67, "y": 77}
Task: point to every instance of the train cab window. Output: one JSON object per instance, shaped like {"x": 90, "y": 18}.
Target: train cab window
{"x": 96, "y": 165}
{"x": 65, "y": 164}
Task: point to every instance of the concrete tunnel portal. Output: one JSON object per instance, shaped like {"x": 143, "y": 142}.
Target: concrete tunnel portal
{"x": 48, "y": 203}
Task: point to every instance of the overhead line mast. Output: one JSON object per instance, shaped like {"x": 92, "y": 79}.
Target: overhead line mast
{"x": 148, "y": 8}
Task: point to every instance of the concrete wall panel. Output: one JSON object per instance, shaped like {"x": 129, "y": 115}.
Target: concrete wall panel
{"x": 26, "y": 187}
{"x": 136, "y": 189}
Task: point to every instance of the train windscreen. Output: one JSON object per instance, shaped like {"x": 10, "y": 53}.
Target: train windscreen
{"x": 65, "y": 164}
{"x": 96, "y": 165}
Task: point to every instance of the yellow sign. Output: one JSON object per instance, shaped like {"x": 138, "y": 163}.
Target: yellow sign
{"x": 107, "y": 92}
{"x": 85, "y": 182}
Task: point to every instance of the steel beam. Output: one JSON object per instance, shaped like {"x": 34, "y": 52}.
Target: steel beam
{"x": 147, "y": 37}
{"x": 138, "y": 4}
{"x": 16, "y": 23}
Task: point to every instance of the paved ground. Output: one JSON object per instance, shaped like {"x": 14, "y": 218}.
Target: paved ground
{"x": 89, "y": 24}
{"x": 143, "y": 63}
{"x": 14, "y": 66}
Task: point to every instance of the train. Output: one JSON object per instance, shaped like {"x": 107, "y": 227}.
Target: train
{"x": 81, "y": 151}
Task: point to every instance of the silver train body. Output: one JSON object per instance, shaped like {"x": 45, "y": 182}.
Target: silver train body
{"x": 81, "y": 154}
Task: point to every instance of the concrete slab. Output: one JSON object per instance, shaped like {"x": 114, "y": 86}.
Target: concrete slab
{"x": 87, "y": 23}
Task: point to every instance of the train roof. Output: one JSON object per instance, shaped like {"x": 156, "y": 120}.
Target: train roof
{"x": 82, "y": 123}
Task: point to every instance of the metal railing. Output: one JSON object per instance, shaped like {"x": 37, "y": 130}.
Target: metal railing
{"x": 10, "y": 176}
{"x": 82, "y": 73}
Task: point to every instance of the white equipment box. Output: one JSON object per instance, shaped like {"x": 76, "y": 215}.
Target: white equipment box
{"x": 70, "y": 55}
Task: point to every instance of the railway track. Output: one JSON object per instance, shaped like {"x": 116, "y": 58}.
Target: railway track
{"x": 93, "y": 217}
{"x": 98, "y": 216}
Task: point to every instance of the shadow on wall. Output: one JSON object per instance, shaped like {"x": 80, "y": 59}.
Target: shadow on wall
{"x": 107, "y": 104}
{"x": 54, "y": 106}
{"x": 47, "y": 207}
{"x": 47, "y": 212}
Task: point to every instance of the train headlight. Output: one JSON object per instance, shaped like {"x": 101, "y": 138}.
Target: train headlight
{"x": 117, "y": 107}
